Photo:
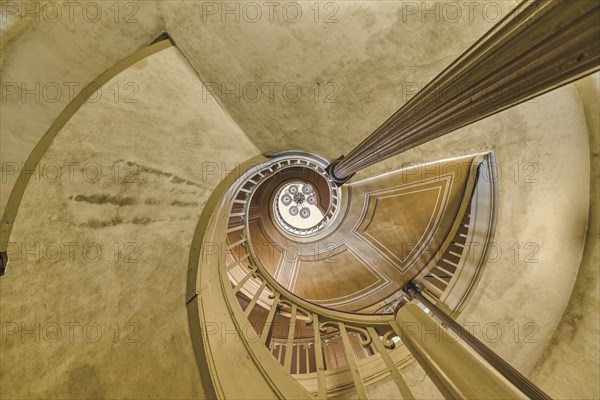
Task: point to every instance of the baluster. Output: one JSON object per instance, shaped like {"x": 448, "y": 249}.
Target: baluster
{"x": 280, "y": 354}
{"x": 235, "y": 228}
{"x": 290, "y": 341}
{"x": 319, "y": 359}
{"x": 351, "y": 360}
{"x": 243, "y": 281}
{"x": 269, "y": 322}
{"x": 307, "y": 358}
{"x": 387, "y": 359}
{"x": 298, "y": 347}
{"x": 236, "y": 262}
{"x": 232, "y": 245}
{"x": 248, "y": 309}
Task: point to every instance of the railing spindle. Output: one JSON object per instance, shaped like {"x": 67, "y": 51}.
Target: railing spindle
{"x": 232, "y": 245}
{"x": 235, "y": 228}
{"x": 248, "y": 309}
{"x": 243, "y": 281}
{"x": 298, "y": 347}
{"x": 319, "y": 359}
{"x": 396, "y": 376}
{"x": 290, "y": 341}
{"x": 269, "y": 322}
{"x": 352, "y": 364}
{"x": 307, "y": 358}
{"x": 236, "y": 262}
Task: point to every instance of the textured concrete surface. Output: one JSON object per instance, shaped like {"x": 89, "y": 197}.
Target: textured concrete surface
{"x": 321, "y": 80}
{"x": 48, "y": 57}
{"x": 571, "y": 362}
{"x": 128, "y": 229}
{"x": 353, "y": 73}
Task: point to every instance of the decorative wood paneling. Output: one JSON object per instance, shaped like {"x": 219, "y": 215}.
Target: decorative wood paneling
{"x": 407, "y": 215}
{"x": 401, "y": 222}
{"x": 393, "y": 227}
{"x": 335, "y": 276}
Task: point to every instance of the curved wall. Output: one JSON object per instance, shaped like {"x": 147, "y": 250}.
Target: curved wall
{"x": 545, "y": 204}
{"x": 47, "y": 58}
{"x": 103, "y": 249}
{"x": 542, "y": 156}
{"x": 575, "y": 342}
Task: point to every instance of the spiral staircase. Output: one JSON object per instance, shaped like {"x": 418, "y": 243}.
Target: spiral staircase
{"x": 451, "y": 254}
{"x": 232, "y": 292}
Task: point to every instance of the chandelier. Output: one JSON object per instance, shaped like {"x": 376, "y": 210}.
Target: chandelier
{"x": 296, "y": 197}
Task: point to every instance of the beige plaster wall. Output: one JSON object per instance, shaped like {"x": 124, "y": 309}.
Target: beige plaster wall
{"x": 106, "y": 254}
{"x": 570, "y": 366}
{"x": 51, "y": 53}
{"x": 375, "y": 54}
{"x": 322, "y": 78}
{"x": 353, "y": 73}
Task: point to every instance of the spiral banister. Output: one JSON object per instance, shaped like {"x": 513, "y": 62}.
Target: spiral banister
{"x": 213, "y": 267}
{"x": 279, "y": 344}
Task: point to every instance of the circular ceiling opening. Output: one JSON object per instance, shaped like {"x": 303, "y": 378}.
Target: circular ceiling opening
{"x": 297, "y": 205}
{"x": 305, "y": 201}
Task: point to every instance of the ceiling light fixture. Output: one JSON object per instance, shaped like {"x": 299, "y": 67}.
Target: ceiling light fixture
{"x": 299, "y": 195}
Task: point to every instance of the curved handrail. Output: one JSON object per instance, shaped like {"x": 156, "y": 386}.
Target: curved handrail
{"x": 209, "y": 276}
{"x": 328, "y": 314}
{"x": 231, "y": 268}
{"x": 212, "y": 316}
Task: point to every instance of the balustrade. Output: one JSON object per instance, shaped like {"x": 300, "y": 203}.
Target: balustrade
{"x": 324, "y": 351}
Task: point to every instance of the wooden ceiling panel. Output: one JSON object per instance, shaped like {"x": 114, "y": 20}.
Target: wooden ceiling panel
{"x": 393, "y": 226}
{"x": 407, "y": 215}
{"x": 335, "y": 276}
{"x": 400, "y": 222}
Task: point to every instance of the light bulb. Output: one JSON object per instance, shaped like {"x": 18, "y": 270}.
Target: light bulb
{"x": 286, "y": 199}
{"x": 307, "y": 189}
{"x": 305, "y": 213}
{"x": 312, "y": 200}
{"x": 293, "y": 211}
{"x": 293, "y": 189}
